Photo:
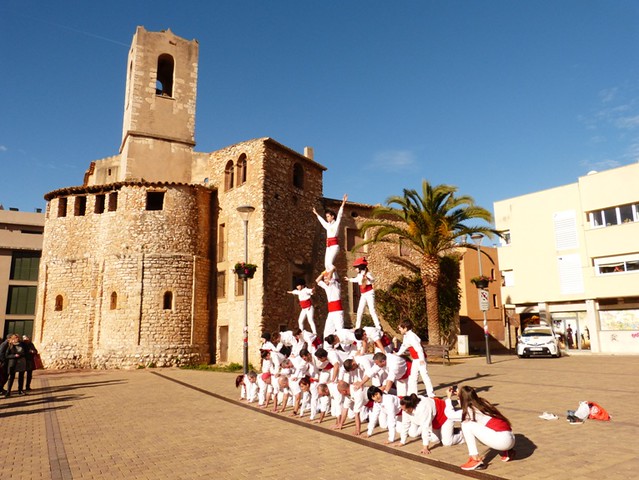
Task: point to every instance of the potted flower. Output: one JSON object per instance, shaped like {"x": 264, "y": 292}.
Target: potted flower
{"x": 245, "y": 270}
{"x": 481, "y": 281}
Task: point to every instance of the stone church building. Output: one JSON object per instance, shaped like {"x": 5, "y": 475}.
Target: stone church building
{"x": 137, "y": 262}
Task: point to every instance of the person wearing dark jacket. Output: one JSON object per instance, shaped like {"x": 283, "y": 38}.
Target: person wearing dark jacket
{"x": 4, "y": 375}
{"x": 15, "y": 357}
{"x": 30, "y": 353}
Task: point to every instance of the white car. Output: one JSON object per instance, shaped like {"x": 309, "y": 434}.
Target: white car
{"x": 538, "y": 340}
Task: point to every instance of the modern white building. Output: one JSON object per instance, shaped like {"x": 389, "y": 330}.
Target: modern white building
{"x": 570, "y": 256}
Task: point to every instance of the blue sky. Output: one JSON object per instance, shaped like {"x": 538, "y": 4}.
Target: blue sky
{"x": 500, "y": 98}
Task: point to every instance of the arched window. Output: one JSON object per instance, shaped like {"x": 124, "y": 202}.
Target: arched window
{"x": 59, "y": 303}
{"x": 167, "y": 302}
{"x": 241, "y": 169}
{"x": 298, "y": 176}
{"x": 114, "y": 300}
{"x": 228, "y": 176}
{"x": 164, "y": 83}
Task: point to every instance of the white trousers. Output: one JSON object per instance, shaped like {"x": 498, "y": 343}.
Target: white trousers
{"x": 419, "y": 368}
{"x": 473, "y": 431}
{"x": 334, "y": 322}
{"x": 447, "y": 434}
{"x": 329, "y": 257}
{"x": 307, "y": 313}
{"x": 367, "y": 299}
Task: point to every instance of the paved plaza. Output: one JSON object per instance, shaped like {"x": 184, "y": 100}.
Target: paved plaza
{"x": 187, "y": 424}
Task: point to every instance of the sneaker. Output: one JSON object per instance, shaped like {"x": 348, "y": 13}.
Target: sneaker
{"x": 473, "y": 464}
{"x": 20, "y": 392}
{"x": 508, "y": 456}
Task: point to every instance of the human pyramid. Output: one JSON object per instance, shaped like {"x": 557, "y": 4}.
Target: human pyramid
{"x": 338, "y": 375}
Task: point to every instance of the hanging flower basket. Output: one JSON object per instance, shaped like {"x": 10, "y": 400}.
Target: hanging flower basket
{"x": 245, "y": 270}
{"x": 481, "y": 282}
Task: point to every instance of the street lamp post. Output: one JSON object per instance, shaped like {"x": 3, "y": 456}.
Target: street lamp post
{"x": 477, "y": 238}
{"x": 245, "y": 212}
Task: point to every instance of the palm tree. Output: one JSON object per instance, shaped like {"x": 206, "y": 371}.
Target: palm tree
{"x": 433, "y": 225}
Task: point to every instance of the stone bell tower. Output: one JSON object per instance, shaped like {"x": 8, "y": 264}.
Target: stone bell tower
{"x": 158, "y": 131}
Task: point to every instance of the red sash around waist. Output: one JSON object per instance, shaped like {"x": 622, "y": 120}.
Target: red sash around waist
{"x": 386, "y": 340}
{"x": 408, "y": 367}
{"x": 331, "y": 241}
{"x": 365, "y": 288}
{"x": 440, "y": 416}
{"x": 498, "y": 425}
{"x": 305, "y": 303}
{"x": 413, "y": 353}
{"x": 335, "y": 306}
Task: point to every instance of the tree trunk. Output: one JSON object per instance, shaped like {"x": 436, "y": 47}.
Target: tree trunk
{"x": 430, "y": 278}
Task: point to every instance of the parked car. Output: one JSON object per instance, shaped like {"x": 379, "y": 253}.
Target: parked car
{"x": 538, "y": 340}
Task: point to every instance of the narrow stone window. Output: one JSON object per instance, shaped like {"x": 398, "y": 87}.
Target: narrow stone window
{"x": 221, "y": 284}
{"x": 114, "y": 301}
{"x": 221, "y": 243}
{"x": 62, "y": 207}
{"x": 164, "y": 84}
{"x": 167, "y": 302}
{"x": 59, "y": 303}
{"x": 298, "y": 176}
{"x": 113, "y": 201}
{"x": 154, "y": 200}
{"x": 80, "y": 206}
{"x": 99, "y": 203}
{"x": 239, "y": 286}
{"x": 228, "y": 176}
{"x": 241, "y": 169}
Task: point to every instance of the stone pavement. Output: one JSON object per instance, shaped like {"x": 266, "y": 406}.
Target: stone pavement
{"x": 186, "y": 424}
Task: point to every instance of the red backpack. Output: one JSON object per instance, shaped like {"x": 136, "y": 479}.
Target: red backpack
{"x": 597, "y": 412}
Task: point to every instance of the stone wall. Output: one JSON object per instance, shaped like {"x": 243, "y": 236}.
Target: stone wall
{"x": 113, "y": 270}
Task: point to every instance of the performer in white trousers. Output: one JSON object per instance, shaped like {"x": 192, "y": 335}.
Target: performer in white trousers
{"x": 412, "y": 344}
{"x": 482, "y": 421}
{"x": 331, "y": 225}
{"x": 303, "y": 294}
{"x": 329, "y": 281}
{"x": 386, "y": 408}
{"x": 390, "y": 367}
{"x": 248, "y": 386}
{"x": 367, "y": 294}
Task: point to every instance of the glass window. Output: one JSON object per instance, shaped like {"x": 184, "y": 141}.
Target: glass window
{"x": 610, "y": 216}
{"x": 25, "y": 266}
{"x": 625, "y": 214}
{"x": 21, "y": 300}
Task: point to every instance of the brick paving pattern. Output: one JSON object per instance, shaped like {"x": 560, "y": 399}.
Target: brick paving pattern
{"x": 187, "y": 424}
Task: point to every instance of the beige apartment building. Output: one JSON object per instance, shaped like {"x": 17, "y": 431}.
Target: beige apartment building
{"x": 20, "y": 251}
{"x": 571, "y": 257}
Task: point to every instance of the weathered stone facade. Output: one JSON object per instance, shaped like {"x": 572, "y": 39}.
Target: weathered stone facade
{"x": 137, "y": 264}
